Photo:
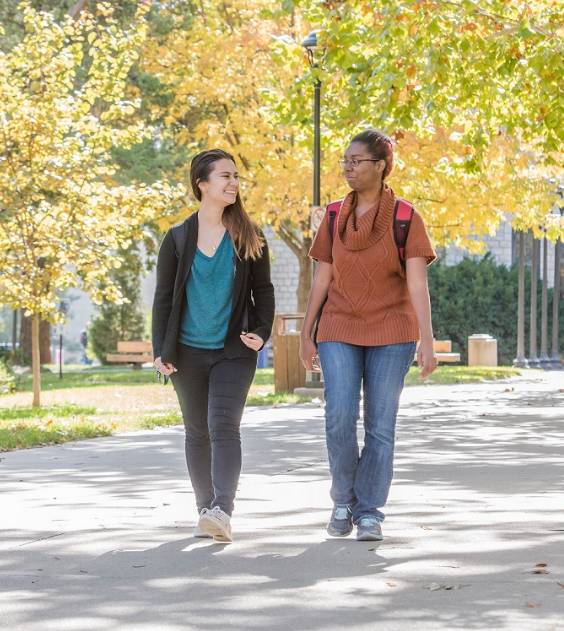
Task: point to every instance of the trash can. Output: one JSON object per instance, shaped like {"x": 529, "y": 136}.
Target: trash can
{"x": 289, "y": 372}
{"x": 482, "y": 350}
{"x": 262, "y": 359}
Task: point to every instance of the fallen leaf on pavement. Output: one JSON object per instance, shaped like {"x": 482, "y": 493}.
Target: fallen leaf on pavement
{"x": 540, "y": 568}
{"x": 391, "y": 583}
{"x": 532, "y": 605}
{"x": 433, "y": 587}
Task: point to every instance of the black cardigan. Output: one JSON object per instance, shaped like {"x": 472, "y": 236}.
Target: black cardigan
{"x": 253, "y": 294}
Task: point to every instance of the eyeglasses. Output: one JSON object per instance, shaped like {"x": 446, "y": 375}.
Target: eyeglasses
{"x": 355, "y": 162}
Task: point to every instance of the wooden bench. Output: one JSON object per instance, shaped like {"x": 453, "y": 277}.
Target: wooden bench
{"x": 135, "y": 353}
{"x": 443, "y": 352}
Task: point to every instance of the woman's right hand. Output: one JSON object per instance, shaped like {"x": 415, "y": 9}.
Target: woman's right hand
{"x": 164, "y": 369}
{"x": 308, "y": 354}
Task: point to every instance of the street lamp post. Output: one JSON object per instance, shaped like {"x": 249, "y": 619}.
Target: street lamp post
{"x": 63, "y": 308}
{"x": 555, "y": 307}
{"x": 310, "y": 44}
{"x": 533, "y": 358}
{"x": 60, "y": 351}
{"x": 317, "y": 143}
{"x": 544, "y": 359}
{"x": 14, "y": 333}
{"x": 520, "y": 361}
{"x": 556, "y": 363}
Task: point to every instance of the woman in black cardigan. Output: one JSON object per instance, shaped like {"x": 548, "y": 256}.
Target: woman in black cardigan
{"x": 213, "y": 311}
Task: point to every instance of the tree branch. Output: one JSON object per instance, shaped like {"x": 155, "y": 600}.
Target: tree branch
{"x": 429, "y": 199}
{"x": 499, "y": 19}
{"x": 74, "y": 12}
{"x": 289, "y": 239}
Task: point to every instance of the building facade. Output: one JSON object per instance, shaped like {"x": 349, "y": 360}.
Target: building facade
{"x": 285, "y": 275}
{"x": 502, "y": 246}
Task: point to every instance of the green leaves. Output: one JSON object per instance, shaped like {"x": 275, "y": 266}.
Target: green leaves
{"x": 475, "y": 56}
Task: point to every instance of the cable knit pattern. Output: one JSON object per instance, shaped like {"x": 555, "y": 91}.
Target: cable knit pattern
{"x": 368, "y": 302}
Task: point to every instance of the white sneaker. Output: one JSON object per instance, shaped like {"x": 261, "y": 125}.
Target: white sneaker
{"x": 215, "y": 523}
{"x": 198, "y": 532}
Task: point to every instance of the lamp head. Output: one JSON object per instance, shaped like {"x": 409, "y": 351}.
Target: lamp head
{"x": 310, "y": 44}
{"x": 311, "y": 40}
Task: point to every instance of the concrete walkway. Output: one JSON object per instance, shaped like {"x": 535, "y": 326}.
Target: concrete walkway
{"x": 97, "y": 534}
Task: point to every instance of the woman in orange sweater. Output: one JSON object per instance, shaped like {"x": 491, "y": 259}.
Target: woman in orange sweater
{"x": 375, "y": 308}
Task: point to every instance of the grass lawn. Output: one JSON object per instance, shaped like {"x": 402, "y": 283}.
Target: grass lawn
{"x": 90, "y": 402}
{"x": 446, "y": 375}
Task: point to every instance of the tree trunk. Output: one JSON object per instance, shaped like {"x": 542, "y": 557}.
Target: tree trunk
{"x": 35, "y": 361}
{"x": 306, "y": 276}
{"x": 44, "y": 341}
{"x": 74, "y": 11}
{"x": 300, "y": 246}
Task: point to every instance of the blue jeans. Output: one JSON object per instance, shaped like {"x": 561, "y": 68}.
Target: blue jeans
{"x": 362, "y": 482}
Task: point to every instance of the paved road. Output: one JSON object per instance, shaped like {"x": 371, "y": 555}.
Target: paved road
{"x": 97, "y": 534}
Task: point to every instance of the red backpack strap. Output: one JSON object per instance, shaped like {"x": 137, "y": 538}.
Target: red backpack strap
{"x": 334, "y": 208}
{"x": 403, "y": 214}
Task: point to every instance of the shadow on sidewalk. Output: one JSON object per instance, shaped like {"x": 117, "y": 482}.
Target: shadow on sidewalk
{"x": 475, "y": 505}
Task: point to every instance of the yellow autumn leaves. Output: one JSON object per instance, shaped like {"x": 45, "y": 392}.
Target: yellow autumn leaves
{"x": 62, "y": 215}
{"x": 238, "y": 79}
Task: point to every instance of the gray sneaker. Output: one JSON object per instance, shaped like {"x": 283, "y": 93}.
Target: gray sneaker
{"x": 340, "y": 524}
{"x": 369, "y": 529}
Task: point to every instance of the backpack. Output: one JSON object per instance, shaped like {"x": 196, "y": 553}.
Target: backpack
{"x": 403, "y": 214}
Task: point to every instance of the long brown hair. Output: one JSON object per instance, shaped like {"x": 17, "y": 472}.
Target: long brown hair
{"x": 242, "y": 231}
{"x": 380, "y": 146}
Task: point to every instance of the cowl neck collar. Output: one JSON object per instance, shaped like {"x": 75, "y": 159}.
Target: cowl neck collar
{"x": 358, "y": 234}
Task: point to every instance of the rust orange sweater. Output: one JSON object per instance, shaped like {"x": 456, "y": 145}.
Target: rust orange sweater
{"x": 368, "y": 301}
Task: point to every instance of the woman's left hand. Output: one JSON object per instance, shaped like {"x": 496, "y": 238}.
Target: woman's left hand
{"x": 426, "y": 359}
{"x": 252, "y": 341}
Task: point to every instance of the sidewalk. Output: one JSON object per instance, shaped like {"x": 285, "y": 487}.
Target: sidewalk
{"x": 96, "y": 535}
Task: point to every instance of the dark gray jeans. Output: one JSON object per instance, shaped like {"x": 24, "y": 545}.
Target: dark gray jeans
{"x": 212, "y": 390}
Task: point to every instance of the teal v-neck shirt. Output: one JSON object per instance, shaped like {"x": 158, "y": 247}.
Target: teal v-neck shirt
{"x": 209, "y": 292}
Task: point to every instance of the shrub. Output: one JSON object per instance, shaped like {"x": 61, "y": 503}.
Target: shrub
{"x": 479, "y": 296}
{"x": 7, "y": 379}
{"x": 119, "y": 322}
